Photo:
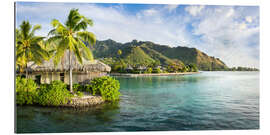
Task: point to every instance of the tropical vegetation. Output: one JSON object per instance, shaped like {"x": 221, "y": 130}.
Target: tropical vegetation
{"x": 28, "y": 46}
{"x": 57, "y": 93}
{"x": 72, "y": 36}
{"x": 107, "y": 87}
{"x": 26, "y": 91}
{"x": 53, "y": 94}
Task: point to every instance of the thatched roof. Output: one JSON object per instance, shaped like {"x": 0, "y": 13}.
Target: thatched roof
{"x": 63, "y": 66}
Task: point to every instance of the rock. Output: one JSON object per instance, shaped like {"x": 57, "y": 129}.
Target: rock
{"x": 85, "y": 101}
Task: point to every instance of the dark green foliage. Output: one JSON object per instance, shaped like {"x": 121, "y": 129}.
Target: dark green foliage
{"x": 107, "y": 87}
{"x": 192, "y": 68}
{"x": 88, "y": 88}
{"x": 26, "y": 91}
{"x": 148, "y": 70}
{"x": 53, "y": 94}
{"x": 76, "y": 87}
{"x": 157, "y": 70}
{"x": 158, "y": 57}
{"x": 242, "y": 69}
{"x": 109, "y": 61}
{"x": 119, "y": 66}
{"x": 79, "y": 94}
{"x": 175, "y": 66}
{"x": 137, "y": 57}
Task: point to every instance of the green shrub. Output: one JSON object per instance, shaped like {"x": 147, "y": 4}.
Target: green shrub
{"x": 76, "y": 87}
{"x": 107, "y": 87}
{"x": 26, "y": 92}
{"x": 88, "y": 88}
{"x": 79, "y": 94}
{"x": 158, "y": 70}
{"x": 148, "y": 70}
{"x": 53, "y": 94}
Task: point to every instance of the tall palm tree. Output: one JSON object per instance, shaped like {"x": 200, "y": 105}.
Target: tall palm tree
{"x": 119, "y": 52}
{"x": 72, "y": 36}
{"x": 28, "y": 46}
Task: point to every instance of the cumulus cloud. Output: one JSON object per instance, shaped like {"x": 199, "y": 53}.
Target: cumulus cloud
{"x": 171, "y": 7}
{"x": 150, "y": 12}
{"x": 194, "y": 10}
{"x": 229, "y": 38}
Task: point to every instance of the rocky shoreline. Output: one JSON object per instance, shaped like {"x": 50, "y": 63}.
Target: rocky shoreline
{"x": 153, "y": 74}
{"x": 84, "y": 101}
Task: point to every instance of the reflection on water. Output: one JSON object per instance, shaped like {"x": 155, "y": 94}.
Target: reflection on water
{"x": 206, "y": 101}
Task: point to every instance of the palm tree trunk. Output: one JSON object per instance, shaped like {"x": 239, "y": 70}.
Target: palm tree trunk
{"x": 26, "y": 71}
{"x": 70, "y": 72}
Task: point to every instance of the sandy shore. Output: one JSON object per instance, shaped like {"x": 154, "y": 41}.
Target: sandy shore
{"x": 153, "y": 74}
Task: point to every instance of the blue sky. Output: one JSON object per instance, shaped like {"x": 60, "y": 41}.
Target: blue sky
{"x": 230, "y": 33}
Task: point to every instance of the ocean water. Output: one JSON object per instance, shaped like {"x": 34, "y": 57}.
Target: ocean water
{"x": 205, "y": 101}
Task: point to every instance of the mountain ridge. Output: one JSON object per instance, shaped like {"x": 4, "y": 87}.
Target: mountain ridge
{"x": 164, "y": 53}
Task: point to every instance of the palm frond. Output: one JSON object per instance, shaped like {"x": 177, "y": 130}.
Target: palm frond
{"x": 78, "y": 53}
{"x": 80, "y": 26}
{"x": 85, "y": 50}
{"x": 36, "y": 39}
{"x": 52, "y": 32}
{"x": 73, "y": 18}
{"x": 35, "y": 28}
{"x": 88, "y": 21}
{"x": 61, "y": 48}
{"x": 54, "y": 39}
{"x": 88, "y": 37}
{"x": 25, "y": 29}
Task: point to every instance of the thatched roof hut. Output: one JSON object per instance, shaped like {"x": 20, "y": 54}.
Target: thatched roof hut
{"x": 82, "y": 73}
{"x": 63, "y": 66}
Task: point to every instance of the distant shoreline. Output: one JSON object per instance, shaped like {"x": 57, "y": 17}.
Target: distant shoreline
{"x": 152, "y": 74}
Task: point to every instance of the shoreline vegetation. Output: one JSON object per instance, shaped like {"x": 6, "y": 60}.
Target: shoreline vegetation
{"x": 152, "y": 74}
{"x": 98, "y": 91}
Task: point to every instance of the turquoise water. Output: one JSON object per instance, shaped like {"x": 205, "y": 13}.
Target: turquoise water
{"x": 206, "y": 101}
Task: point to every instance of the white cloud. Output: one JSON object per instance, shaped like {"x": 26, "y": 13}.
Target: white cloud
{"x": 249, "y": 19}
{"x": 150, "y": 12}
{"x": 171, "y": 7}
{"x": 229, "y": 38}
{"x": 242, "y": 26}
{"x": 230, "y": 12}
{"x": 194, "y": 10}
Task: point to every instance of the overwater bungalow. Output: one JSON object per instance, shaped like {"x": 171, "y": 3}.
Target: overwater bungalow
{"x": 48, "y": 72}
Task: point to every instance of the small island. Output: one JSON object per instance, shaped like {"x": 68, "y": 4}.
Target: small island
{"x": 60, "y": 70}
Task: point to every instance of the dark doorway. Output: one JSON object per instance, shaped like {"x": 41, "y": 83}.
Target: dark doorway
{"x": 62, "y": 77}
{"x": 23, "y": 76}
{"x": 38, "y": 79}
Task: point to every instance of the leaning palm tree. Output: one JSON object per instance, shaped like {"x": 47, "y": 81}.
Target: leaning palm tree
{"x": 72, "y": 36}
{"x": 28, "y": 46}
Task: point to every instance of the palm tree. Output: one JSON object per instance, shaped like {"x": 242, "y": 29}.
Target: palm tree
{"x": 72, "y": 36}
{"x": 28, "y": 46}
{"x": 119, "y": 52}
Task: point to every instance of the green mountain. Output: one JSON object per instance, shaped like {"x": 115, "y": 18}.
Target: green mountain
{"x": 147, "y": 52}
{"x": 136, "y": 56}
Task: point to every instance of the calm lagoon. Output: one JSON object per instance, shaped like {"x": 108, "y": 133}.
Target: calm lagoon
{"x": 205, "y": 101}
